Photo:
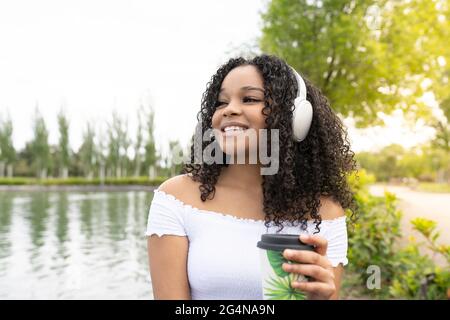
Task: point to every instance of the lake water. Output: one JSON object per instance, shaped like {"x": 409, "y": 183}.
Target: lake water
{"x": 74, "y": 245}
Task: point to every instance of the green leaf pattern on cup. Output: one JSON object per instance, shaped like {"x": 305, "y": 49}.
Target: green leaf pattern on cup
{"x": 276, "y": 260}
{"x": 279, "y": 288}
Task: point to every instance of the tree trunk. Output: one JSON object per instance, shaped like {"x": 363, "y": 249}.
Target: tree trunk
{"x": 440, "y": 176}
{"x": 102, "y": 174}
{"x": 151, "y": 172}
{"x": 2, "y": 169}
{"x": 137, "y": 170}
{"x": 9, "y": 169}
{"x": 64, "y": 173}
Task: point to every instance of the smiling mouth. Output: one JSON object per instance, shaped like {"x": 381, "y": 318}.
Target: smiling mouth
{"x": 233, "y": 130}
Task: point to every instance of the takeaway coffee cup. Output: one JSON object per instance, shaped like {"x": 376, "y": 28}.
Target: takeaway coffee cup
{"x": 276, "y": 283}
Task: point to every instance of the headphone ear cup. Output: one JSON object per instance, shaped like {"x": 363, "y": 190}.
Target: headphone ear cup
{"x": 301, "y": 118}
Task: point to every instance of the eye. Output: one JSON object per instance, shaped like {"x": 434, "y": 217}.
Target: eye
{"x": 251, "y": 99}
{"x": 219, "y": 103}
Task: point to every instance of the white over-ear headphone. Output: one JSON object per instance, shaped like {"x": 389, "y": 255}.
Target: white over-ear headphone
{"x": 303, "y": 112}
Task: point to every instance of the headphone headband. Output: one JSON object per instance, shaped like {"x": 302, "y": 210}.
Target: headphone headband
{"x": 301, "y": 85}
{"x": 303, "y": 112}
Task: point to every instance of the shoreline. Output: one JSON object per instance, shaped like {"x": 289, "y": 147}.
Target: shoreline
{"x": 83, "y": 188}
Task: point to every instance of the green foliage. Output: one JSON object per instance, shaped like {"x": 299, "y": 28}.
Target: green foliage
{"x": 39, "y": 147}
{"x": 87, "y": 152}
{"x": 442, "y": 137}
{"x": 427, "y": 228}
{"x": 102, "y": 154}
{"x": 64, "y": 151}
{"x": 394, "y": 162}
{"x": 151, "y": 156}
{"x": 7, "y": 152}
{"x": 138, "y": 144}
{"x": 367, "y": 56}
{"x": 118, "y": 143}
{"x": 406, "y": 273}
{"x": 373, "y": 237}
{"x": 360, "y": 180}
{"x": 16, "y": 181}
{"x": 417, "y": 276}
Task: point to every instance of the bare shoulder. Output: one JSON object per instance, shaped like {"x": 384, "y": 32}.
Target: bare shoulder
{"x": 330, "y": 209}
{"x": 181, "y": 187}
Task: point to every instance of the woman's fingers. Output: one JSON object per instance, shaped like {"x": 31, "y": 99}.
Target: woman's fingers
{"x": 316, "y": 289}
{"x": 314, "y": 271}
{"x": 303, "y": 256}
{"x": 320, "y": 243}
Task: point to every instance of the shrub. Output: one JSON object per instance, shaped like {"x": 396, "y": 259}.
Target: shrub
{"x": 406, "y": 273}
{"x": 417, "y": 276}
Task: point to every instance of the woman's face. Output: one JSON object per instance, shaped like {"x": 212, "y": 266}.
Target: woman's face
{"x": 238, "y": 116}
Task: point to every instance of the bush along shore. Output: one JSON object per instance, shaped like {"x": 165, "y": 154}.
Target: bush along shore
{"x": 6, "y": 183}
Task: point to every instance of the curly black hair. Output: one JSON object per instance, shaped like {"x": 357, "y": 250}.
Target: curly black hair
{"x": 317, "y": 166}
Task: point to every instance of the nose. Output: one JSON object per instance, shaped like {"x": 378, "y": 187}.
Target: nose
{"x": 232, "y": 108}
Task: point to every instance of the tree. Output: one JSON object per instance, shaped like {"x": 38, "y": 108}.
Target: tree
{"x": 101, "y": 152}
{"x": 172, "y": 164}
{"x": 441, "y": 143}
{"x": 63, "y": 145}
{"x": 87, "y": 153}
{"x": 118, "y": 144}
{"x": 366, "y": 56}
{"x": 125, "y": 143}
{"x": 151, "y": 157}
{"x": 40, "y": 150}
{"x": 138, "y": 144}
{"x": 7, "y": 151}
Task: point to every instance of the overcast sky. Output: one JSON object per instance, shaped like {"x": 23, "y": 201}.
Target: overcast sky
{"x": 99, "y": 55}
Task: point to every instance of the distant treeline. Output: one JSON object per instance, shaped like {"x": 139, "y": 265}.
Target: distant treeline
{"x": 102, "y": 154}
{"x": 396, "y": 164}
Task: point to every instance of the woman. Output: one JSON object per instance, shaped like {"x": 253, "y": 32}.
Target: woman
{"x": 204, "y": 225}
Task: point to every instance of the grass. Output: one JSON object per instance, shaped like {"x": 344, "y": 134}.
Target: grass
{"x": 72, "y": 181}
{"x": 434, "y": 187}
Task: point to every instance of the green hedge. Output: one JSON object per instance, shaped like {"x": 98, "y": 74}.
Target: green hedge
{"x": 72, "y": 181}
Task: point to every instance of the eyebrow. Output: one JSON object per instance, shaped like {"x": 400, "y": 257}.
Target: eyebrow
{"x": 246, "y": 88}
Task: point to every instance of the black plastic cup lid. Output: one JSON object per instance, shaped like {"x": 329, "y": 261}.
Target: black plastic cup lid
{"x": 279, "y": 242}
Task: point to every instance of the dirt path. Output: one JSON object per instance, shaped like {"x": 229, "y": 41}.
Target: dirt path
{"x": 433, "y": 206}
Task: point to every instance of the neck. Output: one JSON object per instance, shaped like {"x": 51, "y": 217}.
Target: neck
{"x": 242, "y": 176}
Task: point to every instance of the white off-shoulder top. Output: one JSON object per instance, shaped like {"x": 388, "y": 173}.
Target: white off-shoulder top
{"x": 223, "y": 260}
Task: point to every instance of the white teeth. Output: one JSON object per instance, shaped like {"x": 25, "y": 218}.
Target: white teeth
{"x": 232, "y": 128}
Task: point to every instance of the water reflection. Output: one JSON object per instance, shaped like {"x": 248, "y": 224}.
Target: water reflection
{"x": 117, "y": 208}
{"x": 37, "y": 214}
{"x": 65, "y": 245}
{"x": 6, "y": 204}
{"x": 62, "y": 221}
{"x": 86, "y": 208}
